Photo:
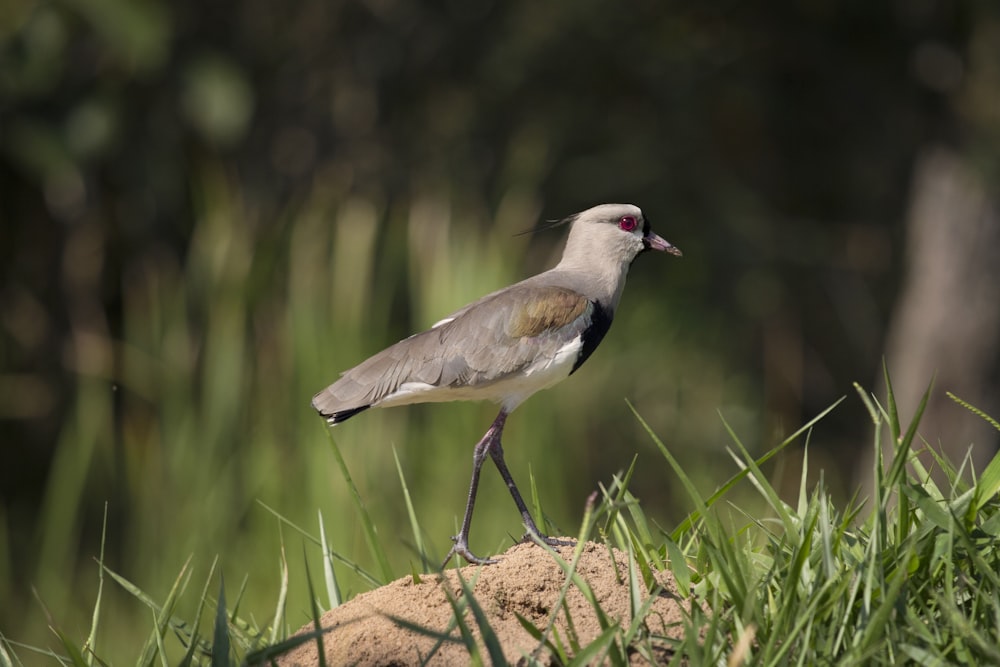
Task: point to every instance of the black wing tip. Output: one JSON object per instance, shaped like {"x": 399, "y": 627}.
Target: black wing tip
{"x": 334, "y": 418}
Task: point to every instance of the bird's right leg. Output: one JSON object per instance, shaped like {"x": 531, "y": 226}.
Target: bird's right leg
{"x": 496, "y": 453}
{"x": 483, "y": 448}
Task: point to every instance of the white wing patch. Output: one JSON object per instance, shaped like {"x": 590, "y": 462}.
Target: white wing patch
{"x": 566, "y": 354}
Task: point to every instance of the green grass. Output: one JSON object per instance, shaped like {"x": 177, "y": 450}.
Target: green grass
{"x": 191, "y": 450}
{"x": 910, "y": 575}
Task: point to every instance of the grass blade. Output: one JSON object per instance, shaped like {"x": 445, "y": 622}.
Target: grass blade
{"x": 220, "y": 634}
{"x": 371, "y": 535}
{"x": 989, "y": 482}
{"x": 194, "y": 642}
{"x": 692, "y": 518}
{"x": 700, "y": 506}
{"x": 316, "y": 615}
{"x": 279, "y": 611}
{"x": 329, "y": 576}
{"x": 90, "y": 646}
{"x": 903, "y": 443}
{"x": 418, "y": 539}
{"x": 890, "y": 400}
{"x": 591, "y": 654}
{"x": 486, "y": 631}
{"x": 354, "y": 567}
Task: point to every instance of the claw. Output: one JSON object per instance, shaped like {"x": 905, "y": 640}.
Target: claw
{"x": 551, "y": 541}
{"x": 461, "y": 548}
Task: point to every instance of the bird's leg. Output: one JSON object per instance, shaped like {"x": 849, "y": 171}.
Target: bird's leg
{"x": 461, "y": 546}
{"x": 496, "y": 453}
{"x": 490, "y": 443}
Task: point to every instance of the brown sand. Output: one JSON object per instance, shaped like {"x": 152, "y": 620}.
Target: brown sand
{"x": 527, "y": 581}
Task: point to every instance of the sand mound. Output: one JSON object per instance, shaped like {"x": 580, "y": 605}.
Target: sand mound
{"x": 526, "y": 581}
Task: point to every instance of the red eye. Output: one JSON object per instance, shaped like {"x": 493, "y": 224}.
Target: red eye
{"x": 628, "y": 223}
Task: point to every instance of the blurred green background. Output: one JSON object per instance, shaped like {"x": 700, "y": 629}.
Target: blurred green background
{"x": 209, "y": 210}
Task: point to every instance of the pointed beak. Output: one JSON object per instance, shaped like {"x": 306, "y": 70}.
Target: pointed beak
{"x": 656, "y": 242}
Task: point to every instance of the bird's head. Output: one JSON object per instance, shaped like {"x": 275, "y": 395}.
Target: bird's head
{"x": 612, "y": 232}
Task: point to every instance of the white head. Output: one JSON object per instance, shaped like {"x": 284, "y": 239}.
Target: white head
{"x": 612, "y": 234}
{"x": 603, "y": 241}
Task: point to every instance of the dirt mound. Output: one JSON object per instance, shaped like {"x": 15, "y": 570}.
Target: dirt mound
{"x": 526, "y": 581}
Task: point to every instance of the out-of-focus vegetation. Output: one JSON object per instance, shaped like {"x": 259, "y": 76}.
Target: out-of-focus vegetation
{"x": 209, "y": 210}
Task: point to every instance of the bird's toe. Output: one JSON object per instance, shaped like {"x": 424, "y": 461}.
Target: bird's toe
{"x": 551, "y": 541}
{"x": 461, "y": 548}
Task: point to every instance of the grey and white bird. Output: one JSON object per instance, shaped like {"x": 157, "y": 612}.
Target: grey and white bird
{"x": 507, "y": 345}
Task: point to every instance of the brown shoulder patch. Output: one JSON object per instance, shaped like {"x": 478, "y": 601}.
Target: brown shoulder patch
{"x": 549, "y": 308}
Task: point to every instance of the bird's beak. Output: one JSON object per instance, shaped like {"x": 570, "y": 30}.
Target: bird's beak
{"x": 657, "y": 242}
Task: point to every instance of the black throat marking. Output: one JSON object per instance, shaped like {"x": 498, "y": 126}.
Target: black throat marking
{"x": 600, "y": 322}
{"x": 645, "y": 232}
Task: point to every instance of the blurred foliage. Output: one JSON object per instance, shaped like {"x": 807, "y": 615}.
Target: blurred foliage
{"x": 211, "y": 209}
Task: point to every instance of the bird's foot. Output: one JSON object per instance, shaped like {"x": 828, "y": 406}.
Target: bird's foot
{"x": 461, "y": 548}
{"x": 551, "y": 541}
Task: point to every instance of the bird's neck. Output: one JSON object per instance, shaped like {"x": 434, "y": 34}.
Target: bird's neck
{"x": 601, "y": 281}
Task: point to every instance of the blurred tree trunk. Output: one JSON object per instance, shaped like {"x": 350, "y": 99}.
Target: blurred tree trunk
{"x": 946, "y": 323}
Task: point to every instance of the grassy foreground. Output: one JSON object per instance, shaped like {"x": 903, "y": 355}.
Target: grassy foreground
{"x": 910, "y": 575}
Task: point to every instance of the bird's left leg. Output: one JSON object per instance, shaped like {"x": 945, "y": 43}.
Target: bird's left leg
{"x": 461, "y": 541}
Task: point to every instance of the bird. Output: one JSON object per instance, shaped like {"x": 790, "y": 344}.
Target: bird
{"x": 507, "y": 345}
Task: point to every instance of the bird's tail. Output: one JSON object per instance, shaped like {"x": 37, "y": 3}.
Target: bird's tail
{"x": 333, "y": 415}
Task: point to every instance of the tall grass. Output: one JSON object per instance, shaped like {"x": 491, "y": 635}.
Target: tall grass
{"x": 907, "y": 576}
{"x": 200, "y": 408}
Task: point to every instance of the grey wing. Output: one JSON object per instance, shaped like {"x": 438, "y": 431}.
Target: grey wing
{"x": 485, "y": 342}
{"x": 511, "y": 332}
